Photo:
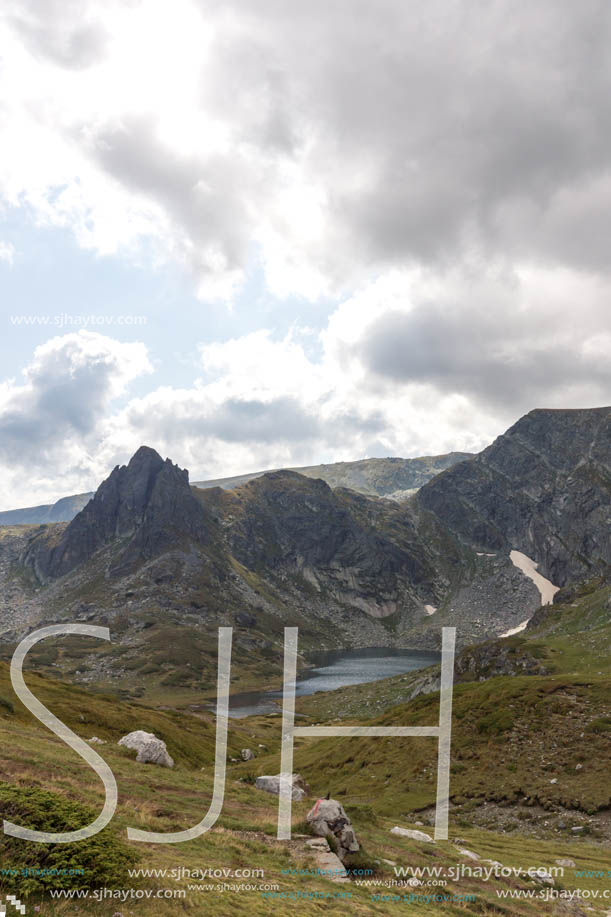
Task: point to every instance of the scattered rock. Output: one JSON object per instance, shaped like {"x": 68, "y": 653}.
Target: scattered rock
{"x": 468, "y": 853}
{"x": 271, "y": 784}
{"x": 564, "y": 861}
{"x": 248, "y": 754}
{"x": 414, "y": 835}
{"x": 329, "y": 864}
{"x": 577, "y": 829}
{"x": 555, "y": 780}
{"x": 544, "y": 877}
{"x": 245, "y": 619}
{"x": 95, "y": 741}
{"x": 327, "y": 816}
{"x": 151, "y": 750}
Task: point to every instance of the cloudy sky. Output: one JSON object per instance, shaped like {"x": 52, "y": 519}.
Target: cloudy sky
{"x": 261, "y": 233}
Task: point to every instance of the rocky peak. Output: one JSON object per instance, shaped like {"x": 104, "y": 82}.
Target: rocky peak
{"x": 147, "y": 502}
{"x": 543, "y": 488}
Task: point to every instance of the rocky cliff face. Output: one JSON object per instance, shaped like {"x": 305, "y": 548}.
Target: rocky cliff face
{"x": 145, "y": 505}
{"x": 340, "y": 544}
{"x": 543, "y": 488}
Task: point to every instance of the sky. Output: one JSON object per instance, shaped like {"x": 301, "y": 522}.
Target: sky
{"x": 274, "y": 233}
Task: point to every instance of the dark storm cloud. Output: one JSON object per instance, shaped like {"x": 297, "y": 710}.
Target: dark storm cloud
{"x": 205, "y": 196}
{"x": 66, "y": 395}
{"x": 495, "y": 358}
{"x": 241, "y": 420}
{"x": 263, "y": 422}
{"x": 433, "y": 126}
{"x": 427, "y": 129}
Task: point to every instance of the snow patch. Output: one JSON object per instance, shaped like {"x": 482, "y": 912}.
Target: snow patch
{"x": 516, "y": 630}
{"x": 547, "y": 590}
{"x": 528, "y": 567}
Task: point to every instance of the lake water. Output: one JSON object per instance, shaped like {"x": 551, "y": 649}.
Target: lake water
{"x": 334, "y": 670}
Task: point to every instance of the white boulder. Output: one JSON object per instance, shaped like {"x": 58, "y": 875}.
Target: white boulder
{"x": 413, "y": 835}
{"x": 271, "y": 784}
{"x": 151, "y": 750}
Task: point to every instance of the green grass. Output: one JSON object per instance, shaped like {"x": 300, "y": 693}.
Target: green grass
{"x": 511, "y": 737}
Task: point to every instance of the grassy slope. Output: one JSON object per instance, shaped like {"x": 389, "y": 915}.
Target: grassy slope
{"x": 164, "y": 800}
{"x": 511, "y": 736}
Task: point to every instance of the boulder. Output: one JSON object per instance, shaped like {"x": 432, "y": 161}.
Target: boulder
{"x": 248, "y": 754}
{"x": 271, "y": 784}
{"x": 413, "y": 835}
{"x": 327, "y": 816}
{"x": 151, "y": 750}
{"x": 468, "y": 853}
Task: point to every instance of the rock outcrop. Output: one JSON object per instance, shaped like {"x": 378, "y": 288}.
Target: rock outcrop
{"x": 151, "y": 750}
{"x": 543, "y": 488}
{"x": 412, "y": 834}
{"x": 271, "y": 784}
{"x": 328, "y": 817}
{"x": 146, "y": 504}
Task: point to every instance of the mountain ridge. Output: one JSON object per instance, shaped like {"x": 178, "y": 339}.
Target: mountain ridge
{"x": 391, "y": 477}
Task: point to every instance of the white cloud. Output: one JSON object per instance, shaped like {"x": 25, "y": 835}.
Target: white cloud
{"x": 7, "y": 252}
{"x": 436, "y": 174}
{"x": 339, "y": 140}
{"x": 413, "y": 363}
{"x": 55, "y": 427}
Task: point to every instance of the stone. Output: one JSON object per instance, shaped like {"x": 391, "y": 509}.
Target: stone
{"x": 577, "y": 829}
{"x": 95, "y": 741}
{"x": 566, "y": 862}
{"x": 245, "y": 619}
{"x": 544, "y": 877}
{"x": 247, "y": 754}
{"x": 468, "y": 853}
{"x": 328, "y": 863}
{"x": 413, "y": 835}
{"x": 271, "y": 784}
{"x": 151, "y": 750}
{"x": 327, "y": 816}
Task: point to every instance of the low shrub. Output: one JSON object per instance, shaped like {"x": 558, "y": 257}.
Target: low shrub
{"x": 101, "y": 860}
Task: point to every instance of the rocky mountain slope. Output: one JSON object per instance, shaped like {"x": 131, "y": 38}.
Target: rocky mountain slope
{"x": 395, "y": 478}
{"x": 62, "y": 510}
{"x": 543, "y": 488}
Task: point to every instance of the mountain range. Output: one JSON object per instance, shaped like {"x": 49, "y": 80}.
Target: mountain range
{"x": 163, "y": 563}
{"x": 394, "y": 478}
